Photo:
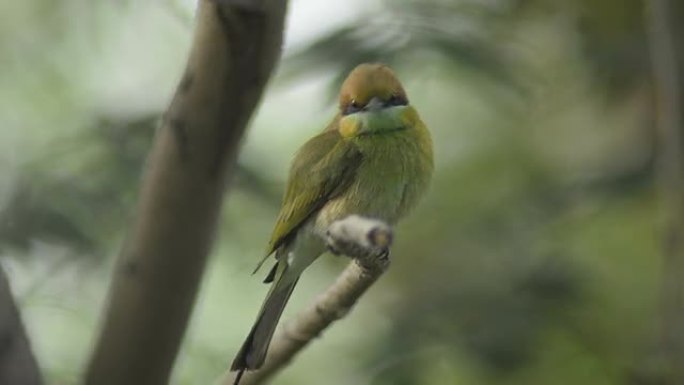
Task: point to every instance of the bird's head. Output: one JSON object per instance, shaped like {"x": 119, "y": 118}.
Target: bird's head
{"x": 372, "y": 101}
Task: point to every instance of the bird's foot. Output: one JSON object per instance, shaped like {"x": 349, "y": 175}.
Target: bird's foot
{"x": 364, "y": 239}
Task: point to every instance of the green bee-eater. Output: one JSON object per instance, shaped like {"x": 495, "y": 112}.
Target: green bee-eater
{"x": 374, "y": 160}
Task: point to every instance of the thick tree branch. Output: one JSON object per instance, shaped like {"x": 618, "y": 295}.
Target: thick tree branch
{"x": 664, "y": 43}
{"x": 367, "y": 241}
{"x": 235, "y": 47}
{"x": 17, "y": 364}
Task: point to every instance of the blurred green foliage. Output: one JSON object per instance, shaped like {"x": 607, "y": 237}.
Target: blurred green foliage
{"x": 535, "y": 258}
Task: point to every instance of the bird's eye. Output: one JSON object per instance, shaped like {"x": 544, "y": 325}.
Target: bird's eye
{"x": 396, "y": 100}
{"x": 352, "y": 107}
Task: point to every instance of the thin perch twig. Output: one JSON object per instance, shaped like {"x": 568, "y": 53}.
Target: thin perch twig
{"x": 367, "y": 241}
{"x": 235, "y": 47}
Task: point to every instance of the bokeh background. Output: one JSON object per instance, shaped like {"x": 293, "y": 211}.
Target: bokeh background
{"x": 536, "y": 257}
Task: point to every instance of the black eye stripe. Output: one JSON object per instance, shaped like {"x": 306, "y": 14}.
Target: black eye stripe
{"x": 396, "y": 100}
{"x": 352, "y": 108}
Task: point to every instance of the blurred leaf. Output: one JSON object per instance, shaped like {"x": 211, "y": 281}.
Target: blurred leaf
{"x": 411, "y": 31}
{"x": 80, "y": 194}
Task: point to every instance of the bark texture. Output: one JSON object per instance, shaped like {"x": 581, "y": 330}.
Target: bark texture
{"x": 236, "y": 45}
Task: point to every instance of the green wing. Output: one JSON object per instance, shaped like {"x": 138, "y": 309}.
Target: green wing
{"x": 322, "y": 169}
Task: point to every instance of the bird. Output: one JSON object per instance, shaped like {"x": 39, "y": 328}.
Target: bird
{"x": 375, "y": 159}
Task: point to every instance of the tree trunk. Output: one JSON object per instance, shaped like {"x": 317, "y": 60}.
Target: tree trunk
{"x": 235, "y": 48}
{"x": 665, "y": 42}
{"x": 17, "y": 364}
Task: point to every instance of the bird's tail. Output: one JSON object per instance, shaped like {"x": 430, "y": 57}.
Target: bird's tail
{"x": 253, "y": 351}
